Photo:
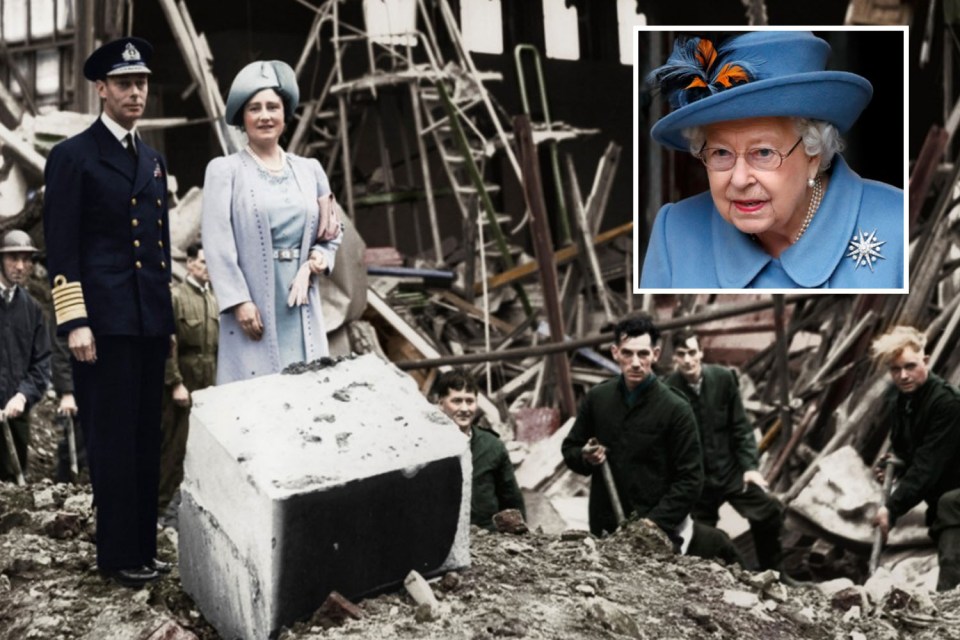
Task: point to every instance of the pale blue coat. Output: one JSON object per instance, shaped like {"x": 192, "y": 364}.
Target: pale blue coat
{"x": 239, "y": 252}
{"x": 691, "y": 246}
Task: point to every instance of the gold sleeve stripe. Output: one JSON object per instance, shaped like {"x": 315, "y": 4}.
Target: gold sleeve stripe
{"x": 68, "y": 300}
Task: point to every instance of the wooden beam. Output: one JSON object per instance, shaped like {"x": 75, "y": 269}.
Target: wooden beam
{"x": 562, "y": 256}
{"x": 394, "y": 319}
{"x": 543, "y": 248}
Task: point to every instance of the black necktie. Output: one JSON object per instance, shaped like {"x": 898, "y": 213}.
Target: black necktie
{"x": 131, "y": 146}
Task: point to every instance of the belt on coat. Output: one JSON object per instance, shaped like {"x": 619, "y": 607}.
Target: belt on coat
{"x": 286, "y": 254}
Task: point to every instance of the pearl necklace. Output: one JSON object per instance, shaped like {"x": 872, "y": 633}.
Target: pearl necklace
{"x": 812, "y": 209}
{"x": 263, "y": 165}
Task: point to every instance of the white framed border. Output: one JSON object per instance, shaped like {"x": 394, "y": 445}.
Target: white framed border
{"x": 637, "y": 80}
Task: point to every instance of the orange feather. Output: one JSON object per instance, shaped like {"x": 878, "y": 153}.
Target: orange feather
{"x": 706, "y": 53}
{"x": 696, "y": 82}
{"x": 731, "y": 73}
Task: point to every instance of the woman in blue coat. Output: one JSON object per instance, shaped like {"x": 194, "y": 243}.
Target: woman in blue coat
{"x": 267, "y": 231}
{"x": 784, "y": 210}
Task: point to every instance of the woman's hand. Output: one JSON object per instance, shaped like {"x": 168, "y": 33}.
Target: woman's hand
{"x": 329, "y": 227}
{"x": 317, "y": 262}
{"x": 248, "y": 317}
{"x": 300, "y": 285}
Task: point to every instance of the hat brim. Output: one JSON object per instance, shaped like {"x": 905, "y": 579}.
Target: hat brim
{"x": 126, "y": 71}
{"x": 837, "y": 97}
{"x": 250, "y": 81}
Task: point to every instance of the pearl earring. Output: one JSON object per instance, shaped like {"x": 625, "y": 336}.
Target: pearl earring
{"x": 810, "y": 182}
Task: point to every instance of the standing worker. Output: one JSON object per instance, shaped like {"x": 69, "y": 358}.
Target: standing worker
{"x": 105, "y": 220}
{"x": 648, "y": 435}
{"x": 923, "y": 414}
{"x": 730, "y": 456}
{"x": 192, "y": 365}
{"x": 24, "y": 349}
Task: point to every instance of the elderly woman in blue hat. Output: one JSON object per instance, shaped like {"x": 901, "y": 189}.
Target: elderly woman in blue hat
{"x": 269, "y": 231}
{"x": 784, "y": 210}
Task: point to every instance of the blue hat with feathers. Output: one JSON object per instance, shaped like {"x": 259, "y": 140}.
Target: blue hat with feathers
{"x": 257, "y": 76}
{"x": 757, "y": 74}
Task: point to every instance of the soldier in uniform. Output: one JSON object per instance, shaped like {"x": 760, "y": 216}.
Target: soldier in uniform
{"x": 105, "y": 221}
{"x": 24, "y": 348}
{"x": 192, "y": 365}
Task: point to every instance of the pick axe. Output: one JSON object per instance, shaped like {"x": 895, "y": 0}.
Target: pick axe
{"x": 892, "y": 463}
{"x": 592, "y": 445}
{"x": 12, "y": 451}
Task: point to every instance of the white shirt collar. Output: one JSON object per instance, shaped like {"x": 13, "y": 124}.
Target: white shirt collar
{"x": 5, "y": 289}
{"x": 114, "y": 127}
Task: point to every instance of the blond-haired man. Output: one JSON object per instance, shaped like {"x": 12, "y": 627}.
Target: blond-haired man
{"x": 923, "y": 415}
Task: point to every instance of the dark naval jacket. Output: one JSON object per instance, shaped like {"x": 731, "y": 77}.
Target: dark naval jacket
{"x": 925, "y": 434}
{"x": 729, "y": 446}
{"x": 652, "y": 448}
{"x": 108, "y": 238}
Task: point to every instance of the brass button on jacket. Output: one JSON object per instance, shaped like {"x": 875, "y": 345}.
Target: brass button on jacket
{"x": 136, "y": 243}
{"x": 138, "y": 264}
{"x": 134, "y": 222}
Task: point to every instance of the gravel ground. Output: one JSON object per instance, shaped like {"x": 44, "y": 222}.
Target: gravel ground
{"x": 532, "y": 585}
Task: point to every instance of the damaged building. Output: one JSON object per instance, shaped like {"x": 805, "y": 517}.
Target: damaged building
{"x": 493, "y": 163}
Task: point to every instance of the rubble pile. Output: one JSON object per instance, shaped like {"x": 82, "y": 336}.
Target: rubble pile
{"x": 532, "y": 585}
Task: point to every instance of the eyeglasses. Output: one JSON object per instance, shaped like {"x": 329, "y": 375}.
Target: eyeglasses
{"x": 760, "y": 158}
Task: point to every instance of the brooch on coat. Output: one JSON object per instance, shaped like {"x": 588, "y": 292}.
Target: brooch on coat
{"x": 864, "y": 249}
{"x": 157, "y": 171}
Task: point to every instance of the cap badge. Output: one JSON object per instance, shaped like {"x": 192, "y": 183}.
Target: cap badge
{"x": 130, "y": 53}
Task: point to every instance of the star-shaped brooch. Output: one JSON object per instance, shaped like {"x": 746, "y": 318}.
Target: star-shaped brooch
{"x": 865, "y": 249}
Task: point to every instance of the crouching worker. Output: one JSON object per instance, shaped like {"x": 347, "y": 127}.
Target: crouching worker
{"x": 923, "y": 414}
{"x": 494, "y": 485}
{"x": 647, "y": 434}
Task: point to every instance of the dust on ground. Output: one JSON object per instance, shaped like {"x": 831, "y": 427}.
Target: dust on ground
{"x": 518, "y": 586}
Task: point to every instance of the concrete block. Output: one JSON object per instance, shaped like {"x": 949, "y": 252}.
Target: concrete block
{"x": 341, "y": 478}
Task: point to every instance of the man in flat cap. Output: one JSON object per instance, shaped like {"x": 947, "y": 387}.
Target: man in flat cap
{"x": 25, "y": 346}
{"x": 105, "y": 220}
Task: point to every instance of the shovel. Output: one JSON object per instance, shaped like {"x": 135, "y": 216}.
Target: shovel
{"x": 592, "y": 445}
{"x": 12, "y": 451}
{"x": 71, "y": 446}
{"x": 890, "y": 465}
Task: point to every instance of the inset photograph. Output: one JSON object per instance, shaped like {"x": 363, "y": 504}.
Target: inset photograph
{"x": 771, "y": 159}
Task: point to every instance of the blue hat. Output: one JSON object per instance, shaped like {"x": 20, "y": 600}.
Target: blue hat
{"x": 119, "y": 57}
{"x": 757, "y": 74}
{"x": 257, "y": 76}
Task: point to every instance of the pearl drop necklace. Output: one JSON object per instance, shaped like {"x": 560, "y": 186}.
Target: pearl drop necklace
{"x": 812, "y": 209}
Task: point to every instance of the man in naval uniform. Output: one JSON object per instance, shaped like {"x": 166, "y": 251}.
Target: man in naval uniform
{"x": 105, "y": 221}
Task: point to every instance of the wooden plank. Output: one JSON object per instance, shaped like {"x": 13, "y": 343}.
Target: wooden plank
{"x": 473, "y": 311}
{"x": 580, "y": 215}
{"x": 561, "y": 257}
{"x": 31, "y": 161}
{"x": 596, "y": 204}
{"x": 543, "y": 246}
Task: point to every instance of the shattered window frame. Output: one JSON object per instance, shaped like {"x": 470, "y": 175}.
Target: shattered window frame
{"x": 39, "y": 37}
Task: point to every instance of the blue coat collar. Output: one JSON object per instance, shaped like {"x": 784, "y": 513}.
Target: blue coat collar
{"x": 809, "y": 262}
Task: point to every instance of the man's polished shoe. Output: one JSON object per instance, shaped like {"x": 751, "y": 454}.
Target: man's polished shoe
{"x": 134, "y": 578}
{"x": 160, "y": 566}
